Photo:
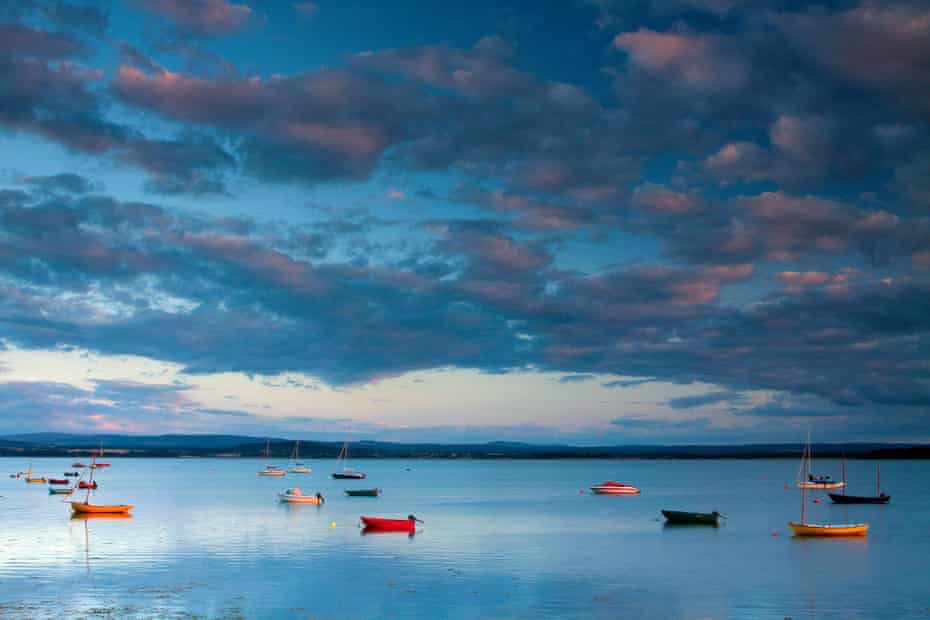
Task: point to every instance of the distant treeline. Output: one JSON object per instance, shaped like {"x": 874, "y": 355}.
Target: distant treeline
{"x": 233, "y": 446}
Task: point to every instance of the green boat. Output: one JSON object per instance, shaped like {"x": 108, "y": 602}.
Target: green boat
{"x": 699, "y": 518}
{"x": 363, "y": 492}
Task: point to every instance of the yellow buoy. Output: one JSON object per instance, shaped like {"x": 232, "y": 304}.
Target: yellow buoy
{"x": 333, "y": 524}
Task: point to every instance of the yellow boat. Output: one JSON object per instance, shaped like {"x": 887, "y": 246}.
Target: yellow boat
{"x": 36, "y": 480}
{"x": 819, "y": 529}
{"x": 85, "y": 508}
{"x": 811, "y": 529}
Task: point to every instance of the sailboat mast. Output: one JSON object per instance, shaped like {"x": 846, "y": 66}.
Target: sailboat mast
{"x": 93, "y": 468}
{"x": 879, "y": 465}
{"x": 806, "y": 467}
{"x": 844, "y": 473}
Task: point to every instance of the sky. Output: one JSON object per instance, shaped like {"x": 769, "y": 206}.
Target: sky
{"x": 588, "y": 221}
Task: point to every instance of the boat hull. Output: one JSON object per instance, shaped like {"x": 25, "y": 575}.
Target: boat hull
{"x": 83, "y": 508}
{"x": 859, "y": 499}
{"x": 300, "y": 470}
{"x": 302, "y": 499}
{"x": 389, "y": 525}
{"x": 349, "y": 475}
{"x": 810, "y": 529}
{"x": 363, "y": 492}
{"x": 691, "y": 518}
{"x": 36, "y": 480}
{"x": 821, "y": 485}
{"x": 87, "y": 485}
{"x": 609, "y": 490}
{"x": 60, "y": 491}
{"x": 272, "y": 473}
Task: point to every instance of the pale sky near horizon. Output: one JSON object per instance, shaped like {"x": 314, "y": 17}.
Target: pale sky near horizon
{"x": 590, "y": 222}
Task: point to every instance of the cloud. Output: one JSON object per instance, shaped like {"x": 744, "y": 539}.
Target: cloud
{"x": 204, "y": 17}
{"x": 61, "y": 183}
{"x": 708, "y": 398}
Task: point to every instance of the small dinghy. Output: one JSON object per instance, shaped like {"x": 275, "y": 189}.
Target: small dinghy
{"x": 363, "y": 492}
{"x": 692, "y": 518}
{"x": 41, "y": 480}
{"x": 72, "y": 474}
{"x": 87, "y": 485}
{"x": 78, "y": 465}
{"x": 615, "y": 488}
{"x": 57, "y": 481}
{"x": 296, "y": 496}
{"x": 377, "y": 524}
{"x": 60, "y": 491}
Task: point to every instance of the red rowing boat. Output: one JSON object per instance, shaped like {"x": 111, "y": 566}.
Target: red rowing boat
{"x": 78, "y": 465}
{"x": 87, "y": 485}
{"x": 57, "y": 481}
{"x": 391, "y": 525}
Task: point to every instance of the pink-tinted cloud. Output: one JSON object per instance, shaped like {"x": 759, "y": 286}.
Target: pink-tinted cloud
{"x": 209, "y": 17}
{"x": 697, "y": 61}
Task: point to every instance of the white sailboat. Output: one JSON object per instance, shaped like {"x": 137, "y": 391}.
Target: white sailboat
{"x": 270, "y": 470}
{"x": 298, "y": 467}
{"x": 347, "y": 472}
{"x": 807, "y": 480}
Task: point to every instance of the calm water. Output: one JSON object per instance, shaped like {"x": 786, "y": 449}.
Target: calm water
{"x": 502, "y": 539}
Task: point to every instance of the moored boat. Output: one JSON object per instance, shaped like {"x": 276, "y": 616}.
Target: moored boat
{"x": 78, "y": 465}
{"x": 847, "y": 529}
{"x": 296, "y": 496}
{"x": 41, "y": 480}
{"x": 60, "y": 491}
{"x": 815, "y": 529}
{"x": 85, "y": 508}
{"x": 347, "y": 473}
{"x": 72, "y": 474}
{"x": 391, "y": 525}
{"x": 843, "y": 498}
{"x": 298, "y": 467}
{"x": 270, "y": 470}
{"x": 87, "y": 485}
{"x": 57, "y": 481}
{"x": 692, "y": 518}
{"x": 615, "y": 488}
{"x": 363, "y": 492}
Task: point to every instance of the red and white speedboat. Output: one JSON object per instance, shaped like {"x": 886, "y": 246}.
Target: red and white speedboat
{"x": 615, "y": 488}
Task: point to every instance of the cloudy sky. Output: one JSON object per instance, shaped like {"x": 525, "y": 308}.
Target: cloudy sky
{"x": 583, "y": 221}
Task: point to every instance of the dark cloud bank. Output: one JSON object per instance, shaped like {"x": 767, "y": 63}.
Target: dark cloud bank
{"x": 791, "y": 207}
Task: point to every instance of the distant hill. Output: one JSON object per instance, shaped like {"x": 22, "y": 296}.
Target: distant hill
{"x": 59, "y": 444}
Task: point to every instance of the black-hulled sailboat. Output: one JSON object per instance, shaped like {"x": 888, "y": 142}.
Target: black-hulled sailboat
{"x": 843, "y": 498}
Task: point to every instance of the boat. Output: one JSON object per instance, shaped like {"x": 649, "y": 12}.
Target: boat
{"x": 693, "y": 518}
{"x": 296, "y": 496}
{"x": 87, "y": 485}
{"x": 843, "y": 498}
{"x": 803, "y": 528}
{"x": 363, "y": 492}
{"x": 615, "y": 488}
{"x": 60, "y": 491}
{"x": 72, "y": 474}
{"x": 31, "y": 480}
{"x": 391, "y": 525}
{"x": 78, "y": 465}
{"x": 347, "y": 473}
{"x": 57, "y": 481}
{"x": 810, "y": 481}
{"x": 86, "y": 507}
{"x": 298, "y": 468}
{"x": 270, "y": 470}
